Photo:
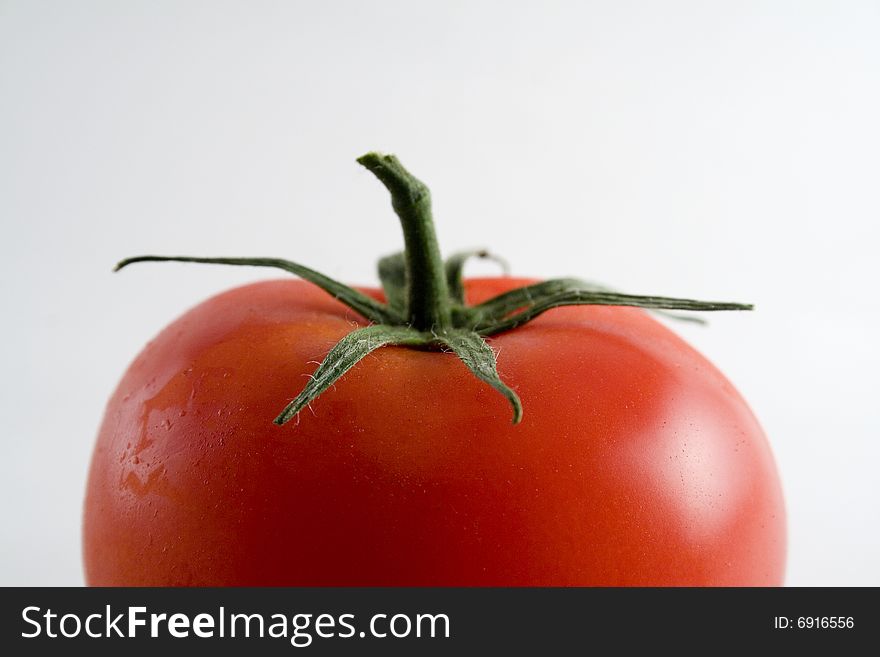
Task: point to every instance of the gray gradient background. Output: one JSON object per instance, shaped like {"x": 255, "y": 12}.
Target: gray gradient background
{"x": 705, "y": 149}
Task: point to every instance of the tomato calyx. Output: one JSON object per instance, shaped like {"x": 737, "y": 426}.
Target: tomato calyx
{"x": 425, "y": 305}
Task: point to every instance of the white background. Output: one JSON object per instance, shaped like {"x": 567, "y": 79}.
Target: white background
{"x": 704, "y": 149}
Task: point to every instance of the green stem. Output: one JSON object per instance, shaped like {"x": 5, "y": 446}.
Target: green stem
{"x": 455, "y": 270}
{"x": 366, "y": 306}
{"x": 429, "y": 306}
{"x": 426, "y": 308}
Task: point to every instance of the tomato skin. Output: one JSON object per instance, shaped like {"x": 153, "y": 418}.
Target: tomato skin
{"x": 637, "y": 463}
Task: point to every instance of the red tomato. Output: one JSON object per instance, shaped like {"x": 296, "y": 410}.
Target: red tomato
{"x": 636, "y": 463}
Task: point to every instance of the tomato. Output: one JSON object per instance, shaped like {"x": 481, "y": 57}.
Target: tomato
{"x": 636, "y": 463}
{"x": 629, "y": 460}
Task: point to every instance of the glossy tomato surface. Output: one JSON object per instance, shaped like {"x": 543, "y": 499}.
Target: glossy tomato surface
{"x": 637, "y": 462}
